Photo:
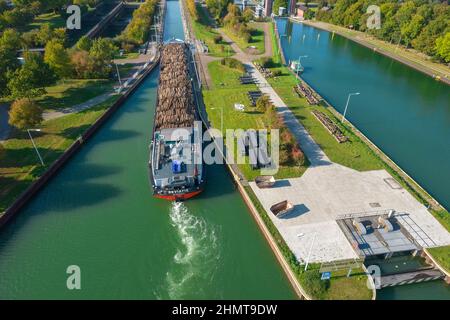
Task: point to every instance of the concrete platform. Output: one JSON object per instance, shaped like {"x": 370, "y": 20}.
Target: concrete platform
{"x": 326, "y": 191}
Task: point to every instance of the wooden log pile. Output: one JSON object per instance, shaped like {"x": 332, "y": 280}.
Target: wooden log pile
{"x": 175, "y": 107}
{"x": 330, "y": 126}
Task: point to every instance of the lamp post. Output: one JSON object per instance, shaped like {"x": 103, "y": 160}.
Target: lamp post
{"x": 118, "y": 75}
{"x": 346, "y": 105}
{"x": 310, "y": 250}
{"x": 299, "y": 63}
{"x": 34, "y": 145}
{"x": 221, "y": 118}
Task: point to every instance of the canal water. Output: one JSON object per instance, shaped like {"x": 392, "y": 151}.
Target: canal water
{"x": 404, "y": 112}
{"x": 98, "y": 214}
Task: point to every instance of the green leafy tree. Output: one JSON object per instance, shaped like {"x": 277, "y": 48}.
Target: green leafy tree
{"x": 24, "y": 114}
{"x": 85, "y": 43}
{"x": 443, "y": 47}
{"x": 10, "y": 39}
{"x": 31, "y": 79}
{"x": 8, "y": 63}
{"x": 277, "y": 4}
{"x": 57, "y": 58}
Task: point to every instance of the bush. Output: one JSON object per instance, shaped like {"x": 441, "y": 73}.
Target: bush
{"x": 218, "y": 39}
{"x": 277, "y": 73}
{"x": 263, "y": 104}
{"x": 267, "y": 62}
{"x": 311, "y": 281}
{"x": 233, "y": 63}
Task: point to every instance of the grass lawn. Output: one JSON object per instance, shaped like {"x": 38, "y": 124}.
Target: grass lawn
{"x": 54, "y": 19}
{"x": 19, "y": 163}
{"x": 353, "y": 154}
{"x": 224, "y": 93}
{"x": 204, "y": 31}
{"x": 68, "y": 93}
{"x": 257, "y": 39}
{"x": 442, "y": 256}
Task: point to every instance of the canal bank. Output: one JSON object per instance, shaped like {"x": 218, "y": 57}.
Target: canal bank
{"x": 98, "y": 213}
{"x": 389, "y": 111}
{"x": 296, "y": 42}
{"x": 435, "y": 71}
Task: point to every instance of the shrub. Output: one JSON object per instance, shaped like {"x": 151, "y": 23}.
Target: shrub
{"x": 267, "y": 62}
{"x": 233, "y": 63}
{"x": 277, "y": 73}
{"x": 218, "y": 39}
{"x": 311, "y": 281}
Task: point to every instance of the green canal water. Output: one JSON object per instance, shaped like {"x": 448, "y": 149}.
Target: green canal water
{"x": 404, "y": 112}
{"x": 98, "y": 213}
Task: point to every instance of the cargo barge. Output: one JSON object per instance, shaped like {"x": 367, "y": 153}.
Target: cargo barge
{"x": 176, "y": 166}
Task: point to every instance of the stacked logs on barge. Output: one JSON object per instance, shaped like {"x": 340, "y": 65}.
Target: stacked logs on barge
{"x": 175, "y": 107}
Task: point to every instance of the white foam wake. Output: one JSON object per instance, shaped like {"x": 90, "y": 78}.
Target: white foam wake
{"x": 196, "y": 260}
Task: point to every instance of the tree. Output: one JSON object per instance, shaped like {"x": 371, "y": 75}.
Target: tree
{"x": 31, "y": 79}
{"x": 443, "y": 47}
{"x": 247, "y": 15}
{"x": 25, "y": 113}
{"x": 45, "y": 34}
{"x": 10, "y": 39}
{"x": 277, "y": 4}
{"x": 8, "y": 63}
{"x": 85, "y": 43}
{"x": 82, "y": 64}
{"x": 57, "y": 58}
{"x": 192, "y": 9}
{"x": 263, "y": 103}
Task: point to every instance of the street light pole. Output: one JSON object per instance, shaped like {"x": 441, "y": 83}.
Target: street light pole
{"x": 310, "y": 250}
{"x": 118, "y": 74}
{"x": 34, "y": 145}
{"x": 346, "y": 105}
{"x": 299, "y": 63}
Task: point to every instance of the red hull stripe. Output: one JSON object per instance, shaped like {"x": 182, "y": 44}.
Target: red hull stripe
{"x": 183, "y": 196}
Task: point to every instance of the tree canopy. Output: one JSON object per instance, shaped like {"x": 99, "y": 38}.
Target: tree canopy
{"x": 24, "y": 114}
{"x": 413, "y": 23}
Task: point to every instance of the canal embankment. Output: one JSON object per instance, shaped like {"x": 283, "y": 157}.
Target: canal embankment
{"x": 411, "y": 59}
{"x": 53, "y": 169}
{"x": 437, "y": 210}
{"x": 287, "y": 260}
{"x": 102, "y": 198}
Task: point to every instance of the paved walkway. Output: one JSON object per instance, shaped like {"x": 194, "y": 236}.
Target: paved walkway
{"x": 327, "y": 190}
{"x": 77, "y": 108}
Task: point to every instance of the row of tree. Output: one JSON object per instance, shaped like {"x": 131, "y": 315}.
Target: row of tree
{"x": 24, "y": 11}
{"x": 138, "y": 30}
{"x": 420, "y": 24}
{"x": 88, "y": 59}
{"x": 236, "y": 21}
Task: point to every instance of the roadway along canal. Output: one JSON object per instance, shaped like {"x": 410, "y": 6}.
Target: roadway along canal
{"x": 404, "y": 112}
{"x": 98, "y": 213}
